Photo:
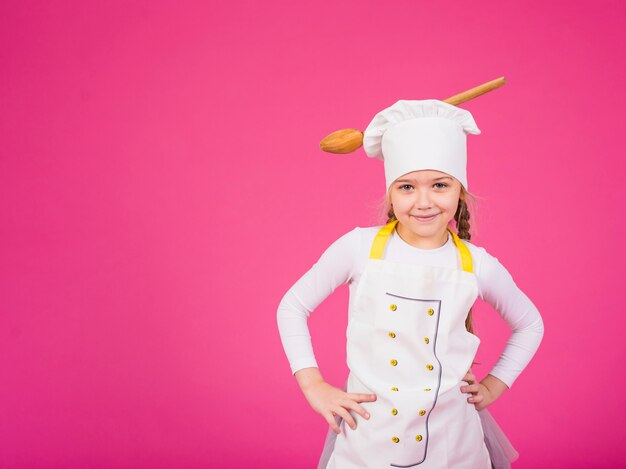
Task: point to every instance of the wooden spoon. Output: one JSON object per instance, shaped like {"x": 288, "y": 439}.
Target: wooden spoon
{"x": 348, "y": 140}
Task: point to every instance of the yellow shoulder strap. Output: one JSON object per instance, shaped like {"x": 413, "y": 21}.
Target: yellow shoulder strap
{"x": 466, "y": 256}
{"x": 378, "y": 246}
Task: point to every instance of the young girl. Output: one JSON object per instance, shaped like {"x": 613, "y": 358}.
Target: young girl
{"x": 412, "y": 282}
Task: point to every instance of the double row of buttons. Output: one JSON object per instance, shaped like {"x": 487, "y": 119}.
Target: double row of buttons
{"x": 394, "y": 362}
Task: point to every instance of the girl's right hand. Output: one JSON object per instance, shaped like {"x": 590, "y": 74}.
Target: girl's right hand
{"x": 329, "y": 401}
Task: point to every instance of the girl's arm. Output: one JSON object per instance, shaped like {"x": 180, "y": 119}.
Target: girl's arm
{"x": 498, "y": 288}
{"x": 334, "y": 268}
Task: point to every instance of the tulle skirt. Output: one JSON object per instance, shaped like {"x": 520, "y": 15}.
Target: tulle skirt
{"x": 501, "y": 451}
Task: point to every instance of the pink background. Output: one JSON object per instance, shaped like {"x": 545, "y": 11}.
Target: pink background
{"x": 162, "y": 188}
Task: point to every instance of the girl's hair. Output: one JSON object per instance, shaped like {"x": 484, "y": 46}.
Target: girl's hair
{"x": 461, "y": 218}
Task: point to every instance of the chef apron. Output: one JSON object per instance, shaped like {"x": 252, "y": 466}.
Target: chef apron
{"x": 407, "y": 344}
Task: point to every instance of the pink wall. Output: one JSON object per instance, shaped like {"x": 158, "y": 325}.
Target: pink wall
{"x": 162, "y": 187}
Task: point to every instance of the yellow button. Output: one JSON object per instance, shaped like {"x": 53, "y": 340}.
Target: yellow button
{"x": 422, "y": 412}
{"x": 431, "y": 311}
{"x": 418, "y": 437}
{"x": 394, "y": 411}
{"x": 392, "y": 335}
{"x": 426, "y": 389}
{"x": 426, "y": 340}
{"x": 393, "y": 362}
{"x": 394, "y": 389}
{"x": 430, "y": 367}
{"x": 393, "y": 307}
{"x": 395, "y": 439}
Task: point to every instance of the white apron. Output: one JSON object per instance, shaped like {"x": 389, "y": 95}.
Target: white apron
{"x": 407, "y": 343}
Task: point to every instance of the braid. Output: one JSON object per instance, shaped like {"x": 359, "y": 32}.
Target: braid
{"x": 462, "y": 217}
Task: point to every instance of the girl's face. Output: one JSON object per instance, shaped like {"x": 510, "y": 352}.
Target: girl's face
{"x": 424, "y": 203}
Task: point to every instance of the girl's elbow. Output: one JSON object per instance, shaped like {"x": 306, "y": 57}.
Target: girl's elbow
{"x": 538, "y": 327}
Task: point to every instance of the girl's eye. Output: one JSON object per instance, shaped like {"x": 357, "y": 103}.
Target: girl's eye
{"x": 406, "y": 185}
{"x": 441, "y": 184}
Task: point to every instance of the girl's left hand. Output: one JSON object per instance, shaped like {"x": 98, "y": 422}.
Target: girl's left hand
{"x": 480, "y": 395}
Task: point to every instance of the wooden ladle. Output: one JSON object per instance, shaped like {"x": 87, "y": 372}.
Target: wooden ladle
{"x": 348, "y": 140}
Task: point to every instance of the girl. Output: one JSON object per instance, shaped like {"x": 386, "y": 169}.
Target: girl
{"x": 412, "y": 282}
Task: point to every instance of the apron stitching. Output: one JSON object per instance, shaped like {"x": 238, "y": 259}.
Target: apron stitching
{"x": 406, "y": 297}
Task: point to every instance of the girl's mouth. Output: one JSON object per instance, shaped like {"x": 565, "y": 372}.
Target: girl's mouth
{"x": 425, "y": 219}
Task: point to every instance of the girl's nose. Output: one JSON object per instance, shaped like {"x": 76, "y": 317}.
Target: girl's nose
{"x": 422, "y": 199}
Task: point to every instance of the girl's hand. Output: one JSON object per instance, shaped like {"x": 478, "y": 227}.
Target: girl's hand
{"x": 329, "y": 401}
{"x": 484, "y": 393}
{"x": 480, "y": 395}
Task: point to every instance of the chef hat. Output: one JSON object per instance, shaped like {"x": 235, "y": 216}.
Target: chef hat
{"x": 420, "y": 134}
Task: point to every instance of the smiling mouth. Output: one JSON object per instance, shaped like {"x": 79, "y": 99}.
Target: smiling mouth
{"x": 422, "y": 218}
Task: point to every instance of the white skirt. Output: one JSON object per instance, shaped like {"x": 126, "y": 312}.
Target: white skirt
{"x": 501, "y": 451}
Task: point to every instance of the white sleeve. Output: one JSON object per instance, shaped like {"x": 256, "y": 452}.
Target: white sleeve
{"x": 498, "y": 288}
{"x": 334, "y": 268}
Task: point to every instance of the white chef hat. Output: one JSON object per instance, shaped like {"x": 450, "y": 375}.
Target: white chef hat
{"x": 420, "y": 134}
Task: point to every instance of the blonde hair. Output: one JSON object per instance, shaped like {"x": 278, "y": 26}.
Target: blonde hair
{"x": 461, "y": 219}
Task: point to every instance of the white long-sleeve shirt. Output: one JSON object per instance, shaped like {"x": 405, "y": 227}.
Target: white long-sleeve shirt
{"x": 344, "y": 261}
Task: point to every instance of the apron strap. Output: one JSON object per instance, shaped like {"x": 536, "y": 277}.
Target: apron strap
{"x": 378, "y": 246}
{"x": 466, "y": 256}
